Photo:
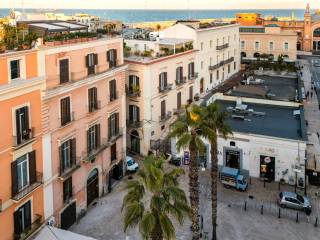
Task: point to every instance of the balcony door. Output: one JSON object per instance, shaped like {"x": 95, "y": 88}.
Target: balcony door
{"x": 163, "y": 82}
{"x": 191, "y": 70}
{"x": 133, "y": 83}
{"x": 134, "y": 113}
{"x": 22, "y": 125}
{"x": 113, "y": 125}
{"x": 179, "y": 100}
{"x": 163, "y": 109}
{"x": 67, "y": 155}
{"x": 64, "y": 70}
{"x": 22, "y": 218}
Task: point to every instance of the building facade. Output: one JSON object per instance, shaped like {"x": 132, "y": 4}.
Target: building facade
{"x": 21, "y": 153}
{"x": 308, "y": 29}
{"x": 271, "y": 40}
{"x": 157, "y": 89}
{"x": 218, "y": 56}
{"x": 83, "y": 117}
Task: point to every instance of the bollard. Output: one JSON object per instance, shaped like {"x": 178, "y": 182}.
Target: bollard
{"x": 261, "y": 210}
{"x": 279, "y": 213}
{"x": 297, "y": 218}
{"x": 245, "y": 205}
{"x": 316, "y": 223}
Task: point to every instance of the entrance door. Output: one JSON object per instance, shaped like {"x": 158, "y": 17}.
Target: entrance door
{"x": 115, "y": 174}
{"x": 135, "y": 142}
{"x": 68, "y": 216}
{"x": 267, "y": 167}
{"x": 92, "y": 186}
{"x": 233, "y": 159}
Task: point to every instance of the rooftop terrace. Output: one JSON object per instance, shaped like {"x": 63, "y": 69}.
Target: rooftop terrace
{"x": 267, "y": 120}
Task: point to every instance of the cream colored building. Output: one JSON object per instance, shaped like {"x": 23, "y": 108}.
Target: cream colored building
{"x": 271, "y": 40}
{"x": 158, "y": 86}
{"x": 218, "y": 57}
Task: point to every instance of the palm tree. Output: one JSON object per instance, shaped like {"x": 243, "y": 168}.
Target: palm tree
{"x": 214, "y": 123}
{"x": 187, "y": 130}
{"x": 164, "y": 197}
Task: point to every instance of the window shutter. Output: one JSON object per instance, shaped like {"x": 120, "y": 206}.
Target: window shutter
{"x": 73, "y": 151}
{"x": 95, "y": 58}
{"x": 108, "y": 56}
{"x": 32, "y": 167}
{"x": 26, "y": 117}
{"x": 115, "y": 56}
{"x": 138, "y": 114}
{"x": 160, "y": 81}
{"x": 165, "y": 79}
{"x": 87, "y": 61}
{"x": 98, "y": 140}
{"x": 131, "y": 112}
{"x": 17, "y": 222}
{"x": 18, "y": 129}
{"x": 27, "y": 209}
{"x": 14, "y": 178}
{"x": 177, "y": 74}
{"x": 68, "y": 109}
{"x": 88, "y": 142}
{"x": 109, "y": 127}
{"x": 61, "y": 160}
{"x": 117, "y": 122}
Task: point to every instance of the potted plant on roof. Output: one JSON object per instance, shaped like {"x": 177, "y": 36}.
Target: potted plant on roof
{"x": 2, "y": 47}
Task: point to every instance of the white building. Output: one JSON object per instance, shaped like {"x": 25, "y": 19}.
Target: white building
{"x": 218, "y": 57}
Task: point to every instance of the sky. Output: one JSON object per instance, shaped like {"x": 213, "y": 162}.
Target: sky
{"x": 161, "y": 4}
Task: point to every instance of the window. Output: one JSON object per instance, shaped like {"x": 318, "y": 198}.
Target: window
{"x": 15, "y": 69}
{"x": 217, "y": 75}
{"x": 23, "y": 130}
{"x": 67, "y": 155}
{"x": 65, "y": 111}
{"x": 163, "y": 82}
{"x": 23, "y": 172}
{"x": 113, "y": 90}
{"x": 211, "y": 78}
{"x": 93, "y": 138}
{"x": 67, "y": 190}
{"x": 91, "y": 62}
{"x": 113, "y": 152}
{"x": 64, "y": 70}
{"x": 242, "y": 44}
{"x": 257, "y": 45}
{"x": 191, "y": 70}
{"x": 201, "y": 46}
{"x": 22, "y": 218}
{"x": 179, "y": 74}
{"x": 134, "y": 113}
{"x": 271, "y": 46}
{"x": 163, "y": 109}
{"x": 92, "y": 99}
{"x": 286, "y": 46}
{"x": 113, "y": 125}
{"x": 179, "y": 100}
{"x": 234, "y": 65}
{"x": 112, "y": 58}
{"x": 191, "y": 93}
{"x": 229, "y": 68}
{"x": 133, "y": 84}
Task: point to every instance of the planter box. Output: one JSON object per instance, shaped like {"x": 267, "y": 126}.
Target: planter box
{"x": 57, "y": 43}
{"x": 49, "y": 44}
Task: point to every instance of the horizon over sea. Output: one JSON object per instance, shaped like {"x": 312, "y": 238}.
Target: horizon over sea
{"x": 149, "y": 15}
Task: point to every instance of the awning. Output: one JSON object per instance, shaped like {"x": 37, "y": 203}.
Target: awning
{"x": 52, "y": 233}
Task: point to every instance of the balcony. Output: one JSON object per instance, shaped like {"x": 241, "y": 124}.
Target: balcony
{"x": 134, "y": 124}
{"x": 65, "y": 172}
{"x": 180, "y": 82}
{"x": 193, "y": 76}
{"x": 91, "y": 157}
{"x": 165, "y": 89}
{"x": 94, "y": 106}
{"x": 133, "y": 93}
{"x": 27, "y": 232}
{"x": 26, "y": 137}
{"x": 114, "y": 137}
{"x": 177, "y": 111}
{"x": 229, "y": 60}
{"x": 165, "y": 117}
{"x": 221, "y": 47}
{"x": 28, "y": 189}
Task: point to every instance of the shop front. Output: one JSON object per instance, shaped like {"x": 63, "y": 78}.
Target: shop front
{"x": 267, "y": 168}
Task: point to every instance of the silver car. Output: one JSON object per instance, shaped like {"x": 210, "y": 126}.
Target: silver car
{"x": 295, "y": 201}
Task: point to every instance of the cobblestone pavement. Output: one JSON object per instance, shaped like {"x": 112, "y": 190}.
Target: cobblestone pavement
{"x": 104, "y": 220}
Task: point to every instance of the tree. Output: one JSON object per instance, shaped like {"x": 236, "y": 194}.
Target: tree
{"x": 214, "y": 123}
{"x": 167, "y": 200}
{"x": 187, "y": 130}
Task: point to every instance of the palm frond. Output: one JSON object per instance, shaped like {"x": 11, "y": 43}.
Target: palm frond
{"x": 133, "y": 214}
{"x": 167, "y": 227}
{"x": 147, "y": 224}
{"x": 183, "y": 141}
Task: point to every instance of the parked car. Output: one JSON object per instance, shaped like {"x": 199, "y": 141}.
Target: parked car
{"x": 131, "y": 165}
{"x": 177, "y": 161}
{"x": 295, "y": 201}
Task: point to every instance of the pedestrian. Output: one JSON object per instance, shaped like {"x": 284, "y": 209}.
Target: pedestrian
{"x": 308, "y": 212}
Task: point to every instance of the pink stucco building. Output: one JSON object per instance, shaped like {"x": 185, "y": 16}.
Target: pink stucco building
{"x": 83, "y": 117}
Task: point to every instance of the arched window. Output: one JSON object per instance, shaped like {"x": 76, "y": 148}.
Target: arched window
{"x": 256, "y": 55}
{"x": 316, "y": 32}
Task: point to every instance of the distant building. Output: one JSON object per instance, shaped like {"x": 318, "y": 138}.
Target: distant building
{"x": 270, "y": 40}
{"x": 308, "y": 29}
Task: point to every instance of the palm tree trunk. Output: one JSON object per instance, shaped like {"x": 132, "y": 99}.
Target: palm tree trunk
{"x": 214, "y": 180}
{"x": 194, "y": 193}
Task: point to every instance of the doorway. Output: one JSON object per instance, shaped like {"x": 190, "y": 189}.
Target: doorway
{"x": 92, "y": 186}
{"x": 267, "y": 168}
{"x": 135, "y": 142}
{"x": 115, "y": 174}
{"x": 233, "y": 159}
{"x": 68, "y": 216}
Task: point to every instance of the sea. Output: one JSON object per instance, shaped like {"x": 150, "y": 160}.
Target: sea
{"x": 148, "y": 15}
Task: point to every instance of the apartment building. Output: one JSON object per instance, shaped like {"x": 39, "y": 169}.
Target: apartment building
{"x": 21, "y": 165}
{"x": 161, "y": 79}
{"x": 270, "y": 40}
{"x": 83, "y": 117}
{"x": 218, "y": 57}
